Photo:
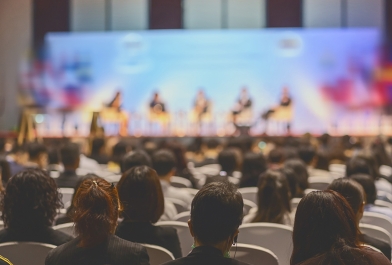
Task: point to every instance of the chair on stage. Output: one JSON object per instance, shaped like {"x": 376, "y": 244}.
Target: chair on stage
{"x": 186, "y": 240}
{"x": 67, "y": 228}
{"x": 158, "y": 255}
{"x": 281, "y": 115}
{"x": 275, "y": 237}
{"x": 25, "y": 252}
{"x": 253, "y": 254}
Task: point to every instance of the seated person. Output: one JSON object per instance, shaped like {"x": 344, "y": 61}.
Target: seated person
{"x": 308, "y": 155}
{"x": 119, "y": 150}
{"x": 164, "y": 163}
{"x": 275, "y": 158}
{"x": 216, "y": 214}
{"x": 98, "y": 151}
{"x": 141, "y": 194}
{"x": 228, "y": 160}
{"x": 38, "y": 156}
{"x": 353, "y": 192}
{"x": 211, "y": 149}
{"x": 301, "y": 174}
{"x": 134, "y": 159}
{"x": 70, "y": 158}
{"x": 29, "y": 207}
{"x": 367, "y": 183}
{"x": 252, "y": 167}
{"x": 97, "y": 209}
{"x": 17, "y": 159}
{"x": 273, "y": 200}
{"x": 326, "y": 232}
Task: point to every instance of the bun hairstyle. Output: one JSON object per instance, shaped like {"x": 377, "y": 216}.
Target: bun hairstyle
{"x": 97, "y": 209}
{"x": 273, "y": 198}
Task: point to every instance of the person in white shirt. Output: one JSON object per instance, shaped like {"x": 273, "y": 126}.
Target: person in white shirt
{"x": 164, "y": 161}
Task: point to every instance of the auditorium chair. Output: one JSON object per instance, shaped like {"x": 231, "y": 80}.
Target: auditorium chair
{"x": 1, "y": 225}
{"x": 67, "y": 228}
{"x": 385, "y": 170}
{"x": 376, "y": 232}
{"x": 181, "y": 206}
{"x": 180, "y": 182}
{"x": 186, "y": 239}
{"x": 383, "y": 204}
{"x": 21, "y": 253}
{"x": 182, "y": 217}
{"x": 248, "y": 205}
{"x": 253, "y": 254}
{"x": 294, "y": 203}
{"x": 307, "y": 191}
{"x": 275, "y": 237}
{"x": 377, "y": 219}
{"x": 67, "y": 194}
{"x": 338, "y": 169}
{"x": 158, "y": 255}
{"x": 319, "y": 183}
{"x": 249, "y": 193}
{"x": 192, "y": 191}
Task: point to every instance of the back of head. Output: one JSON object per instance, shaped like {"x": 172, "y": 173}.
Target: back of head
{"x": 212, "y": 144}
{"x": 97, "y": 207}
{"x": 119, "y": 150}
{"x": 291, "y": 178}
{"x": 70, "y": 155}
{"x": 368, "y": 185}
{"x": 97, "y": 145}
{"x": 35, "y": 150}
{"x": 276, "y": 156}
{"x": 253, "y": 166}
{"x": 30, "y": 200}
{"x": 141, "y": 194}
{"x": 351, "y": 190}
{"x": 163, "y": 161}
{"x": 273, "y": 198}
{"x": 301, "y": 172}
{"x": 325, "y": 224}
{"x": 216, "y": 212}
{"x": 227, "y": 159}
{"x": 178, "y": 151}
{"x": 360, "y": 165}
{"x": 134, "y": 159}
{"x": 307, "y": 154}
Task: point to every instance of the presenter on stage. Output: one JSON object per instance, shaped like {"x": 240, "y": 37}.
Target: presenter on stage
{"x": 156, "y": 105}
{"x": 201, "y": 113}
{"x": 158, "y": 114}
{"x": 201, "y": 105}
{"x": 113, "y": 113}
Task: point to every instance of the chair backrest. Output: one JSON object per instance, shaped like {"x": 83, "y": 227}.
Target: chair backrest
{"x": 294, "y": 203}
{"x": 25, "y": 252}
{"x": 385, "y": 170}
{"x": 158, "y": 255}
{"x": 1, "y": 225}
{"x": 54, "y": 174}
{"x": 113, "y": 178}
{"x": 182, "y": 217}
{"x": 319, "y": 183}
{"x": 180, "y": 205}
{"x": 192, "y": 191}
{"x": 180, "y": 182}
{"x": 384, "y": 195}
{"x": 275, "y": 237}
{"x": 377, "y": 220}
{"x": 67, "y": 228}
{"x": 376, "y": 232}
{"x": 248, "y": 205}
{"x": 249, "y": 193}
{"x": 338, "y": 169}
{"x": 67, "y": 194}
{"x": 383, "y": 204}
{"x": 253, "y": 254}
{"x": 186, "y": 239}
{"x": 233, "y": 180}
{"x": 307, "y": 191}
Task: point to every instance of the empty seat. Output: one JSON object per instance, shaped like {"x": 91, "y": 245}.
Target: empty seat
{"x": 67, "y": 228}
{"x": 158, "y": 255}
{"x": 275, "y": 237}
{"x": 186, "y": 240}
{"x": 25, "y": 252}
{"x": 180, "y": 182}
{"x": 253, "y": 254}
{"x": 249, "y": 193}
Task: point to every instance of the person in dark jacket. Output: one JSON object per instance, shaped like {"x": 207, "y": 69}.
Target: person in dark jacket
{"x": 29, "y": 206}
{"x": 96, "y": 212}
{"x": 216, "y": 214}
{"x": 70, "y": 157}
{"x": 141, "y": 194}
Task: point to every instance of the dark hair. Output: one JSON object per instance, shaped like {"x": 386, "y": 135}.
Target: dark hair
{"x": 301, "y": 172}
{"x": 134, "y": 159}
{"x": 70, "y": 155}
{"x": 216, "y": 212}
{"x": 141, "y": 194}
{"x": 276, "y": 156}
{"x": 179, "y": 154}
{"x": 253, "y": 166}
{"x": 35, "y": 150}
{"x": 30, "y": 200}
{"x": 119, "y": 150}
{"x": 351, "y": 190}
{"x": 361, "y": 164}
{"x": 53, "y": 156}
{"x": 97, "y": 208}
{"x": 368, "y": 185}
{"x": 291, "y": 178}
{"x": 307, "y": 153}
{"x": 163, "y": 161}
{"x": 325, "y": 224}
{"x": 97, "y": 145}
{"x": 273, "y": 198}
{"x": 227, "y": 159}
{"x": 212, "y": 143}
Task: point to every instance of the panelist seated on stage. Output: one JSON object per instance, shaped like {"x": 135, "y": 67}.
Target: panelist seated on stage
{"x": 202, "y": 107}
{"x": 284, "y": 111}
{"x": 158, "y": 109}
{"x": 112, "y": 112}
{"x": 242, "y": 110}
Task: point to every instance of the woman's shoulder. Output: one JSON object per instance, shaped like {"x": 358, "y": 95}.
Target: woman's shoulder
{"x": 376, "y": 257}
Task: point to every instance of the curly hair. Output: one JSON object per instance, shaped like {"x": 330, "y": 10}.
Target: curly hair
{"x": 97, "y": 208}
{"x": 30, "y": 200}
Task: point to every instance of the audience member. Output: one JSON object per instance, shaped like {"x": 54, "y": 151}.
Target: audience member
{"x": 134, "y": 159}
{"x": 211, "y": 149}
{"x": 98, "y": 151}
{"x": 54, "y": 163}
{"x": 29, "y": 206}
{"x": 291, "y": 178}
{"x": 252, "y": 167}
{"x": 141, "y": 194}
{"x": 273, "y": 200}
{"x": 353, "y": 192}
{"x": 164, "y": 163}
{"x": 119, "y": 151}
{"x": 38, "y": 156}
{"x": 70, "y": 158}
{"x": 301, "y": 173}
{"x": 228, "y": 160}
{"x": 308, "y": 155}
{"x": 17, "y": 159}
{"x": 275, "y": 158}
{"x": 369, "y": 187}
{"x": 216, "y": 214}
{"x": 326, "y": 232}
{"x": 97, "y": 208}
